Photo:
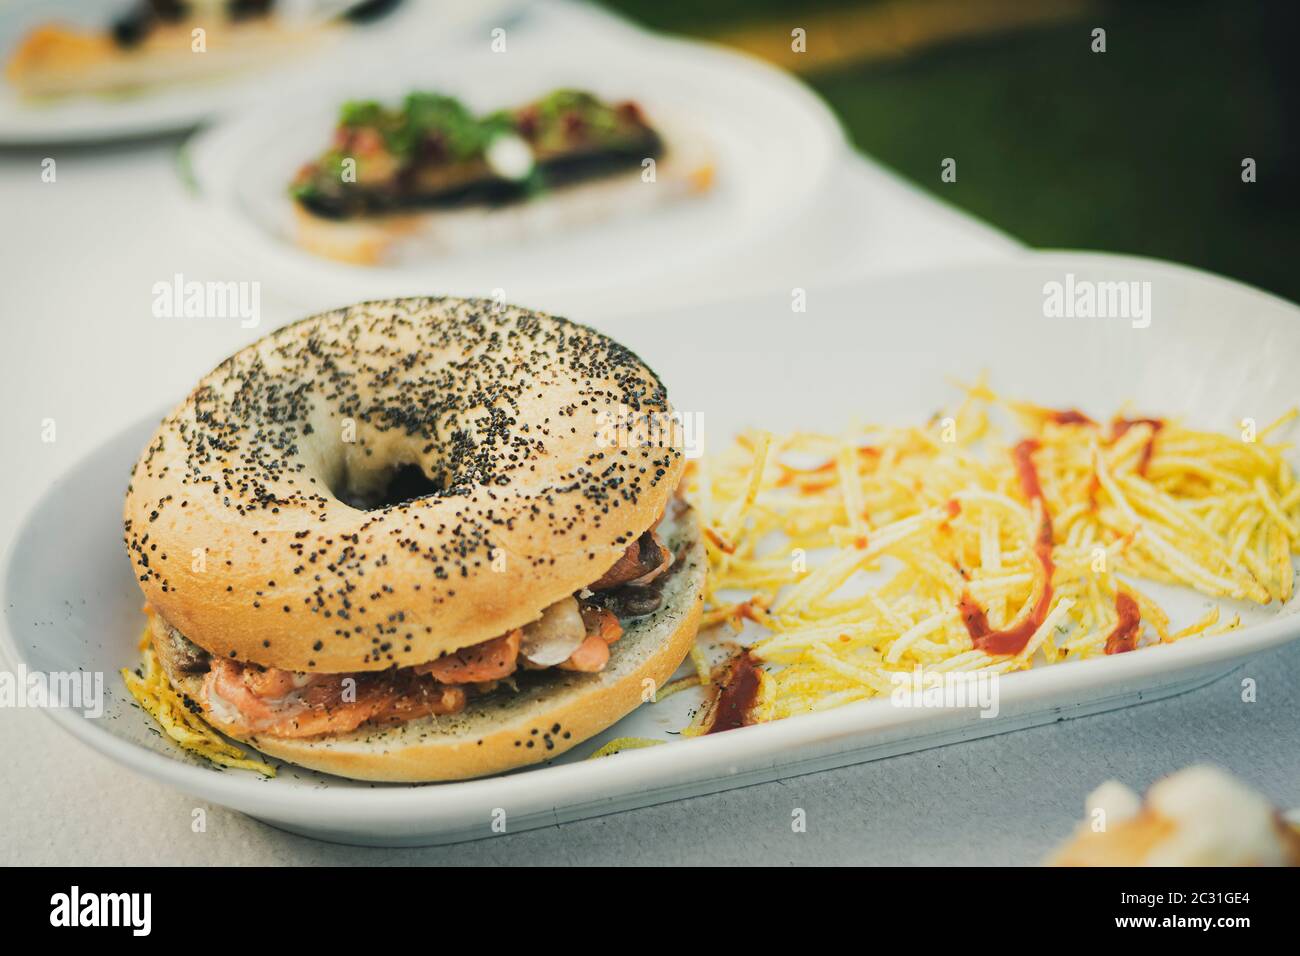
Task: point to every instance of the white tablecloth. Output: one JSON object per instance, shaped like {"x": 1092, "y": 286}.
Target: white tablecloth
{"x": 78, "y": 261}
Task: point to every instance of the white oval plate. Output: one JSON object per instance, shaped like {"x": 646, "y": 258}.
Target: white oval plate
{"x": 772, "y": 142}
{"x": 1215, "y": 352}
{"x": 164, "y": 109}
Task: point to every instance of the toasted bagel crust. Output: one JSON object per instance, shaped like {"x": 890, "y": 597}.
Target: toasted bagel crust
{"x": 551, "y": 712}
{"x": 238, "y": 536}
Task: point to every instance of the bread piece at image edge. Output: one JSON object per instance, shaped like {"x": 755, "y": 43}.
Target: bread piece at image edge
{"x": 55, "y": 60}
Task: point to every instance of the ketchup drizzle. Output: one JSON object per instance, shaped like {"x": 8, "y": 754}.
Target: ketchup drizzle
{"x": 1012, "y": 640}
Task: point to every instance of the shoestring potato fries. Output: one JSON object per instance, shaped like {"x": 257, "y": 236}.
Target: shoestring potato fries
{"x": 945, "y": 547}
{"x": 177, "y": 718}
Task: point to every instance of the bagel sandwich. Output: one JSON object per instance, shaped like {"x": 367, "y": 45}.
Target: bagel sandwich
{"x": 430, "y": 177}
{"x": 417, "y": 539}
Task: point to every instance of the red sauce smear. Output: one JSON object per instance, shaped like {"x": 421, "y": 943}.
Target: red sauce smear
{"x": 737, "y": 696}
{"x": 813, "y": 487}
{"x": 954, "y": 509}
{"x": 1012, "y": 640}
{"x": 1070, "y": 416}
{"x": 716, "y": 538}
{"x": 1124, "y": 638}
{"x": 1023, "y": 455}
{"x": 791, "y": 474}
{"x": 1121, "y": 425}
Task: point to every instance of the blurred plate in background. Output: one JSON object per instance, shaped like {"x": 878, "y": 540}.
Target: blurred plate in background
{"x": 168, "y": 107}
{"x": 772, "y": 145}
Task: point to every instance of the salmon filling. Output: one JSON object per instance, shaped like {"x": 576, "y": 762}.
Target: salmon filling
{"x": 285, "y": 704}
{"x": 571, "y": 635}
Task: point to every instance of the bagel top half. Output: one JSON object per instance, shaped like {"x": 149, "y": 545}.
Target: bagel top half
{"x": 235, "y": 520}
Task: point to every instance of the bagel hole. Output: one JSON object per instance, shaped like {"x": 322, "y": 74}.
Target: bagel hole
{"x": 400, "y": 484}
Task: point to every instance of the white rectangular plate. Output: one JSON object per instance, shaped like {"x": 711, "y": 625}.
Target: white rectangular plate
{"x": 1214, "y": 353}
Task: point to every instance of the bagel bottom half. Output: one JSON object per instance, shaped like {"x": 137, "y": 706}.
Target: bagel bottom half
{"x": 549, "y": 713}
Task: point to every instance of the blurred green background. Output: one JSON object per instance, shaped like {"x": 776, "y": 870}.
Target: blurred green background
{"x": 1136, "y": 150}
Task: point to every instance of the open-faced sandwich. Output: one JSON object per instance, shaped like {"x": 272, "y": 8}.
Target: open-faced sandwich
{"x": 432, "y": 174}
{"x": 158, "y": 42}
